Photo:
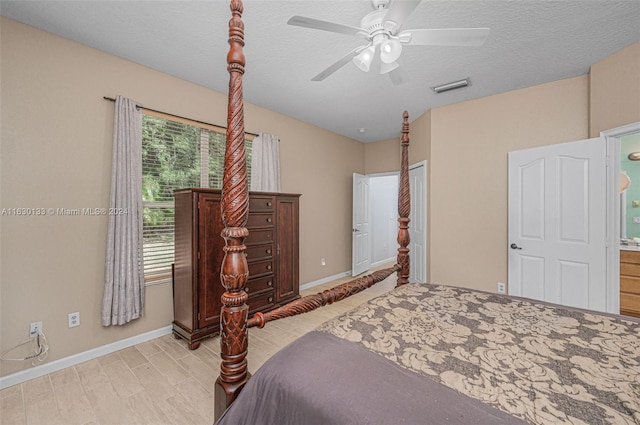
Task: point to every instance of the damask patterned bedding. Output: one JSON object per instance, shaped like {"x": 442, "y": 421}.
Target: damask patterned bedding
{"x": 432, "y": 354}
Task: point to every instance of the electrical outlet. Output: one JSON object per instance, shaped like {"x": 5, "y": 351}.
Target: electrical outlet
{"x": 323, "y": 262}
{"x": 502, "y": 288}
{"x": 74, "y": 319}
{"x": 35, "y": 329}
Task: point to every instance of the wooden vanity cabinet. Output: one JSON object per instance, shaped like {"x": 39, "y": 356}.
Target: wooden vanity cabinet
{"x": 272, "y": 257}
{"x": 630, "y": 283}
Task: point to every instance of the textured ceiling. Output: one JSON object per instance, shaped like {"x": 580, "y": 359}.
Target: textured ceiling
{"x": 531, "y": 42}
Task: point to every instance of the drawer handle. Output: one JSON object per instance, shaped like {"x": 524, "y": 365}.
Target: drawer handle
{"x": 268, "y": 250}
{"x": 246, "y": 289}
{"x": 269, "y": 267}
{"x": 270, "y": 283}
{"x": 270, "y": 299}
{"x": 268, "y": 203}
{"x": 268, "y": 219}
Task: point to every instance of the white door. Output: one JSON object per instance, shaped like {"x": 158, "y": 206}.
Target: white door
{"x": 361, "y": 239}
{"x": 557, "y": 224}
{"x": 418, "y": 223}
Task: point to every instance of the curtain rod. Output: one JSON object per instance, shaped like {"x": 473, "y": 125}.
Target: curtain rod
{"x": 177, "y": 116}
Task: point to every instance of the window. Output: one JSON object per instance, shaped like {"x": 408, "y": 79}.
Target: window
{"x": 176, "y": 153}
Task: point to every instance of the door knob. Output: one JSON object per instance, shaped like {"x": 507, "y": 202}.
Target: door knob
{"x": 514, "y": 246}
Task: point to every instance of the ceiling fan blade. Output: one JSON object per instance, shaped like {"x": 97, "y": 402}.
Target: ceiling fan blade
{"x": 339, "y": 64}
{"x": 448, "y": 36}
{"x": 397, "y": 76}
{"x": 302, "y": 21}
{"x": 398, "y": 12}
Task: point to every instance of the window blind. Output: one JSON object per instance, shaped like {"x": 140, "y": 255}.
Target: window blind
{"x": 176, "y": 153}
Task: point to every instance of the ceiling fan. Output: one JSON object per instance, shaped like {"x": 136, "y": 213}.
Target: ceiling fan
{"x": 382, "y": 31}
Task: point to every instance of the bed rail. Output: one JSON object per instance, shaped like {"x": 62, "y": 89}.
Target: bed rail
{"x": 329, "y": 296}
{"x": 342, "y": 291}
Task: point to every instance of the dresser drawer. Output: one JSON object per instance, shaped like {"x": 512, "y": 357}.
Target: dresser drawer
{"x": 259, "y": 252}
{"x": 257, "y": 286}
{"x": 627, "y": 256}
{"x": 259, "y": 236}
{"x": 261, "y": 302}
{"x": 261, "y": 203}
{"x": 627, "y": 269}
{"x": 630, "y": 284}
{"x": 630, "y": 302}
{"x": 261, "y": 268}
{"x": 261, "y": 219}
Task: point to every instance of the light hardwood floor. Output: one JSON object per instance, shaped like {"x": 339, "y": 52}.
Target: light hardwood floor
{"x": 157, "y": 382}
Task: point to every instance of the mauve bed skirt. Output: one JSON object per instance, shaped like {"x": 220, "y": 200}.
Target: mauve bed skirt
{"x": 321, "y": 379}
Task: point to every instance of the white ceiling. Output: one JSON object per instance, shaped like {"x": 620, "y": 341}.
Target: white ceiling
{"x": 531, "y": 42}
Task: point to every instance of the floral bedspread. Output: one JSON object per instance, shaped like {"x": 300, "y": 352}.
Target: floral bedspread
{"x": 542, "y": 363}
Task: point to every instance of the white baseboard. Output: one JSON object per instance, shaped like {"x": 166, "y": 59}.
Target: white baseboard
{"x": 310, "y": 285}
{"x": 388, "y": 260}
{"x": 54, "y": 366}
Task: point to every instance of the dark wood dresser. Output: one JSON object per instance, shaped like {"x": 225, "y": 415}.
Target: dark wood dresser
{"x": 630, "y": 283}
{"x": 272, "y": 256}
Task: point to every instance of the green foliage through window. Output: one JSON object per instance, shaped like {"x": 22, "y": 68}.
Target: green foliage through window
{"x": 175, "y": 155}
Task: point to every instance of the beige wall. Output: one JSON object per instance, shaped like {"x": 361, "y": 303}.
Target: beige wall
{"x": 384, "y": 156}
{"x": 56, "y": 153}
{"x": 615, "y": 90}
{"x": 468, "y": 180}
{"x": 466, "y": 145}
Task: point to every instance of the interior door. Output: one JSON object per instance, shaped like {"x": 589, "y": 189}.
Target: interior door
{"x": 557, "y": 224}
{"x": 361, "y": 237}
{"x": 418, "y": 223}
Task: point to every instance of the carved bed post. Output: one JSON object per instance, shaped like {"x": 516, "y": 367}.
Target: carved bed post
{"x": 404, "y": 205}
{"x": 235, "y": 210}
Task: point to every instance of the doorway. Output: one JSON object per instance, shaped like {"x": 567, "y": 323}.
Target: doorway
{"x": 375, "y": 221}
{"x": 612, "y": 222}
{"x": 613, "y": 140}
{"x": 557, "y": 223}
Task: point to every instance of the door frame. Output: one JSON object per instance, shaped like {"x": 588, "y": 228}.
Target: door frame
{"x": 423, "y": 236}
{"x": 612, "y": 139}
{"x": 426, "y": 224}
{"x": 357, "y": 209}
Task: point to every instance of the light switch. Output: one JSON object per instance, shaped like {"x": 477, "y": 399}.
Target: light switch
{"x": 636, "y": 220}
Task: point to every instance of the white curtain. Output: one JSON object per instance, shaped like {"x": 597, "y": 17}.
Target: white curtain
{"x": 123, "y": 298}
{"x": 265, "y": 163}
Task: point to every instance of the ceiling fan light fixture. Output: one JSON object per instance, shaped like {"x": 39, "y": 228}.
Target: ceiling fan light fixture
{"x": 364, "y": 58}
{"x": 385, "y": 68}
{"x": 452, "y": 85}
{"x": 390, "y": 50}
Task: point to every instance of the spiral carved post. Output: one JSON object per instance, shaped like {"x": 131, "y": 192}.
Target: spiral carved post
{"x": 235, "y": 210}
{"x": 404, "y": 205}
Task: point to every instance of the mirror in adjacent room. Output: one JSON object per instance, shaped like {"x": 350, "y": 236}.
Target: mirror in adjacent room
{"x": 630, "y": 189}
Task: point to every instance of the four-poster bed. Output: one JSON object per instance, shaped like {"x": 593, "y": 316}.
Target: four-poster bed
{"x": 422, "y": 353}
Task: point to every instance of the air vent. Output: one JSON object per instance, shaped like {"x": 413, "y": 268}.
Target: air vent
{"x": 452, "y": 85}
